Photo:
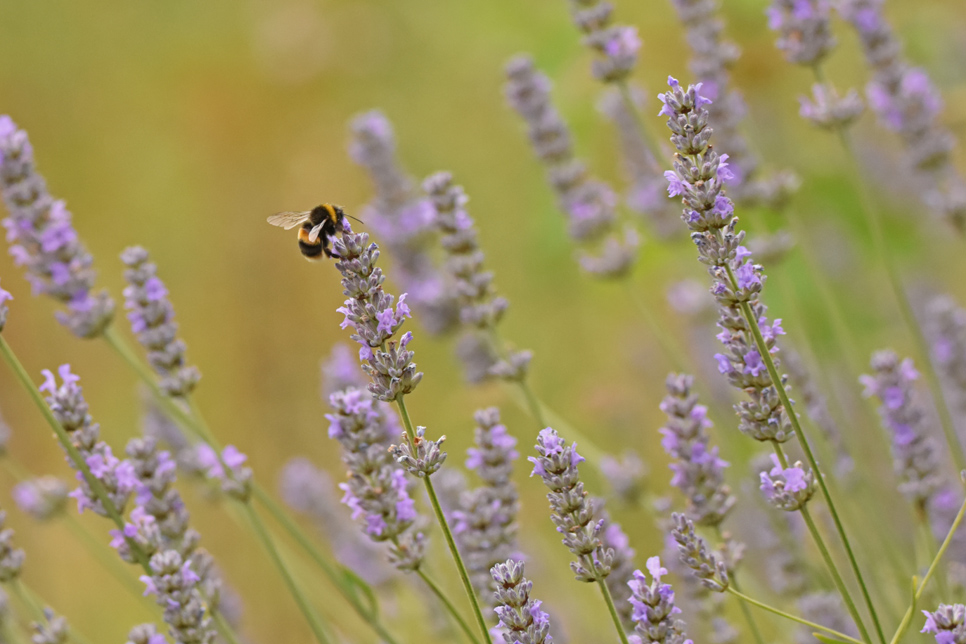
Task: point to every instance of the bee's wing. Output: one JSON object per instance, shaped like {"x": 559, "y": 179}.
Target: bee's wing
{"x": 314, "y": 233}
{"x": 288, "y": 219}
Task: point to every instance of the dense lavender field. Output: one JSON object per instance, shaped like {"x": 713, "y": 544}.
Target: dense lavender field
{"x": 797, "y": 477}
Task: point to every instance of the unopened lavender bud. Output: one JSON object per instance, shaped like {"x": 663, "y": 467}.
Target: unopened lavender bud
{"x": 175, "y": 587}
{"x": 152, "y": 321}
{"x": 140, "y": 531}
{"x": 694, "y": 553}
{"x": 514, "y": 367}
{"x": 788, "y": 488}
{"x": 54, "y": 631}
{"x": 827, "y": 110}
{"x": 11, "y": 559}
{"x": 42, "y": 498}
{"x": 804, "y": 29}
{"x": 654, "y": 609}
{"x": 145, "y": 634}
{"x": 422, "y": 456}
{"x": 947, "y": 623}
{"x": 519, "y": 614}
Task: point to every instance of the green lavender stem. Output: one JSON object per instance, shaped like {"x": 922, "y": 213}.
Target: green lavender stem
{"x": 612, "y": 609}
{"x": 907, "y": 618}
{"x": 775, "y": 611}
{"x": 447, "y": 534}
{"x": 762, "y": 347}
{"x": 441, "y": 596}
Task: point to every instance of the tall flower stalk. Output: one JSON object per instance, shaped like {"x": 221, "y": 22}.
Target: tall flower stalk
{"x": 750, "y": 339}
{"x": 375, "y": 318}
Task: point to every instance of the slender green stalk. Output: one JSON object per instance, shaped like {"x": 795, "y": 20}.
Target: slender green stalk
{"x": 733, "y": 575}
{"x": 827, "y": 557}
{"x": 907, "y": 618}
{"x": 314, "y": 622}
{"x": 199, "y": 429}
{"x": 672, "y": 351}
{"x": 441, "y": 596}
{"x": 794, "y": 618}
{"x": 612, "y": 609}
{"x": 92, "y": 481}
{"x": 447, "y": 534}
{"x": 766, "y": 356}
{"x": 874, "y": 221}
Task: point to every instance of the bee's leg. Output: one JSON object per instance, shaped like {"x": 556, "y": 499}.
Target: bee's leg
{"x": 328, "y": 252}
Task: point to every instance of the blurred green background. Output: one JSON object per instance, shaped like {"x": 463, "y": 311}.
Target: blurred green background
{"x": 181, "y": 125}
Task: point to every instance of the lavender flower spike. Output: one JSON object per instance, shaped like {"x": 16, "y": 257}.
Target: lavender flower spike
{"x": 589, "y": 204}
{"x": 43, "y": 239}
{"x": 654, "y": 608}
{"x": 947, "y": 623}
{"x": 67, "y": 403}
{"x": 485, "y": 524}
{"x": 55, "y": 631}
{"x": 906, "y": 102}
{"x": 617, "y": 45}
{"x": 519, "y": 614}
{"x": 946, "y": 325}
{"x": 176, "y": 588}
{"x": 4, "y": 298}
{"x": 915, "y": 454}
{"x": 403, "y": 219}
{"x": 708, "y": 567}
{"x": 570, "y": 509}
{"x": 804, "y": 29}
{"x": 698, "y": 176}
{"x": 698, "y": 472}
{"x": 152, "y": 320}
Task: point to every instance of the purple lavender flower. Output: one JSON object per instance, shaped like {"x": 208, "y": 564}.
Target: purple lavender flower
{"x": 4, "y": 298}
{"x": 377, "y": 488}
{"x": 616, "y": 45}
{"x": 43, "y": 497}
{"x": 369, "y": 311}
{"x": 698, "y": 471}
{"x": 71, "y": 411}
{"x": 625, "y": 475}
{"x": 54, "y": 631}
{"x": 484, "y": 524}
{"x": 43, "y": 240}
{"x": 699, "y": 177}
{"x": 145, "y": 634}
{"x": 589, "y": 203}
{"x": 947, "y": 623}
{"x": 520, "y": 615}
{"x": 710, "y": 568}
{"x": 804, "y": 29}
{"x": 829, "y": 111}
{"x": 654, "y": 608}
{"x": 403, "y": 219}
{"x": 176, "y": 588}
{"x": 906, "y": 102}
{"x": 787, "y": 488}
{"x": 914, "y": 452}
{"x": 227, "y": 468}
{"x": 570, "y": 509}
{"x": 152, "y": 321}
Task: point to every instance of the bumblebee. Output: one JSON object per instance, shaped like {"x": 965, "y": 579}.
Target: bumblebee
{"x": 317, "y": 226}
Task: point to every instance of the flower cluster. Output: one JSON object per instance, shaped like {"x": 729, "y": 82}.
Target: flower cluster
{"x": 570, "y": 509}
{"x": 227, "y": 468}
{"x": 152, "y": 321}
{"x": 654, "y": 608}
{"x": 617, "y": 45}
{"x": 906, "y": 102}
{"x": 54, "y": 631}
{"x": 914, "y": 452}
{"x": 484, "y": 524}
{"x": 377, "y": 488}
{"x": 693, "y": 551}
{"x": 829, "y": 111}
{"x": 787, "y": 488}
{"x": 369, "y": 311}
{"x": 698, "y": 471}
{"x": 946, "y": 325}
{"x": 418, "y": 454}
{"x": 176, "y": 589}
{"x": 520, "y": 615}
{"x": 71, "y": 411}
{"x": 589, "y": 203}
{"x": 698, "y": 176}
{"x": 43, "y": 240}
{"x": 804, "y": 29}
{"x": 43, "y": 497}
{"x": 947, "y": 623}
{"x": 403, "y": 219}
{"x": 11, "y": 559}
